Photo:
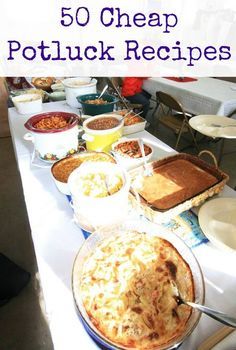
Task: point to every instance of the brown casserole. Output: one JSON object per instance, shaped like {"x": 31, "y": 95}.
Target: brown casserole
{"x": 128, "y": 290}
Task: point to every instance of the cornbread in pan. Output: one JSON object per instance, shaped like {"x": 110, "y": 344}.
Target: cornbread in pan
{"x": 175, "y": 182}
{"x": 127, "y": 290}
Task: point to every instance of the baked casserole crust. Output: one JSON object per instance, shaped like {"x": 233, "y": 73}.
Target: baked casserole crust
{"x": 127, "y": 290}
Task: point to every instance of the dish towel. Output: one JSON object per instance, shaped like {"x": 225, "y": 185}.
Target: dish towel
{"x": 186, "y": 226}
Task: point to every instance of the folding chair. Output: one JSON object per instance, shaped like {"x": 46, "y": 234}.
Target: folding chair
{"x": 173, "y": 116}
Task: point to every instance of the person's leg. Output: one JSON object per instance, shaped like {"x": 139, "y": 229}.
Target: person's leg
{"x": 141, "y": 99}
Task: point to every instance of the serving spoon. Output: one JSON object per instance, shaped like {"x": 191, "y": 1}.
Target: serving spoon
{"x": 217, "y": 315}
{"x": 223, "y": 126}
{"x": 103, "y": 91}
{"x": 147, "y": 170}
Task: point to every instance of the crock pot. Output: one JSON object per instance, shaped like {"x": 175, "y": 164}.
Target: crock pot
{"x": 53, "y": 144}
{"x": 78, "y": 86}
{"x": 101, "y": 140}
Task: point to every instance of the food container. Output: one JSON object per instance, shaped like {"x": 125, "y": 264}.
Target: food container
{"x": 96, "y": 108}
{"x": 101, "y": 140}
{"x": 54, "y": 143}
{"x": 28, "y": 103}
{"x": 133, "y": 123}
{"x": 78, "y": 86}
{"x": 57, "y": 95}
{"x": 62, "y": 169}
{"x": 90, "y": 211}
{"x": 43, "y": 83}
{"x": 98, "y": 237}
{"x": 183, "y": 181}
{"x": 122, "y": 151}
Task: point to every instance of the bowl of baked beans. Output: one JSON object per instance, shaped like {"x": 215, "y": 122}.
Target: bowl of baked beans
{"x": 54, "y": 134}
{"x": 102, "y": 131}
{"x": 93, "y": 105}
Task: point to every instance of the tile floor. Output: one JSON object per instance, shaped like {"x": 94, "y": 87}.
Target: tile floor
{"x": 22, "y": 322}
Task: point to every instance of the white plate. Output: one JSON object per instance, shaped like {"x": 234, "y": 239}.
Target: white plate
{"x": 203, "y": 124}
{"x": 217, "y": 219}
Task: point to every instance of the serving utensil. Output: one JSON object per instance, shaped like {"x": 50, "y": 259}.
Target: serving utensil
{"x": 147, "y": 170}
{"x": 103, "y": 91}
{"x": 217, "y": 315}
{"x": 223, "y": 126}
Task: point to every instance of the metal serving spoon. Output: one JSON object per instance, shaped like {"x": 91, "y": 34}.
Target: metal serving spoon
{"x": 103, "y": 91}
{"x": 217, "y": 315}
{"x": 223, "y": 126}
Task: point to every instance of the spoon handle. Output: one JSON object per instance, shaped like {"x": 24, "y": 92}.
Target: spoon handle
{"x": 219, "y": 316}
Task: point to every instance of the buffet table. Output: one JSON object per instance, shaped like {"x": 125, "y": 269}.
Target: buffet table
{"x": 57, "y": 239}
{"x": 200, "y": 96}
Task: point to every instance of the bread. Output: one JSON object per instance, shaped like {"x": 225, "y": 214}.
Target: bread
{"x": 127, "y": 290}
{"x": 175, "y": 182}
{"x": 43, "y": 83}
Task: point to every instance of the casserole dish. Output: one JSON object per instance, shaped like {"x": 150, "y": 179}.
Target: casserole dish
{"x": 127, "y": 253}
{"x": 179, "y": 183}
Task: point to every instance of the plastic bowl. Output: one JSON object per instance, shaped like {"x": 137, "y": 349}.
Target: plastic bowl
{"x": 28, "y": 103}
{"x": 88, "y": 248}
{"x": 95, "y": 109}
{"x": 62, "y": 169}
{"x": 93, "y": 211}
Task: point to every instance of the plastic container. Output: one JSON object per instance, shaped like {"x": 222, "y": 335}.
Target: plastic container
{"x": 101, "y": 140}
{"x": 78, "y": 86}
{"x": 28, "y": 103}
{"x": 95, "y": 109}
{"x": 94, "y": 212}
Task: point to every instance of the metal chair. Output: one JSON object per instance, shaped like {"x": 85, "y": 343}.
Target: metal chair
{"x": 173, "y": 116}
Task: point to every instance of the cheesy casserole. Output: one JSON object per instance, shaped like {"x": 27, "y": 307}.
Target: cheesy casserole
{"x": 127, "y": 290}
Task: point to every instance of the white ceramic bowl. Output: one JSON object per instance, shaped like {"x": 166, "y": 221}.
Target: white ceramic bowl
{"x": 125, "y": 160}
{"x": 78, "y": 86}
{"x": 28, "y": 103}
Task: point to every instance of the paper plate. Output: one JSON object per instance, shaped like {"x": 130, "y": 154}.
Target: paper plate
{"x": 204, "y": 124}
{"x": 217, "y": 219}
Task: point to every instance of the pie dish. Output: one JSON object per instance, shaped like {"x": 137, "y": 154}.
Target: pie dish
{"x": 122, "y": 286}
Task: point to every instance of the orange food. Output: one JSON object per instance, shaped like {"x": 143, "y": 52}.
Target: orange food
{"x": 54, "y": 122}
{"x": 132, "y": 149}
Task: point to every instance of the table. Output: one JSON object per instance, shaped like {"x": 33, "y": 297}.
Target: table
{"x": 203, "y": 96}
{"x": 57, "y": 239}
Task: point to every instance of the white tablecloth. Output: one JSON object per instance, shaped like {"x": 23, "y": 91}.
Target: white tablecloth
{"x": 57, "y": 239}
{"x": 203, "y": 96}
